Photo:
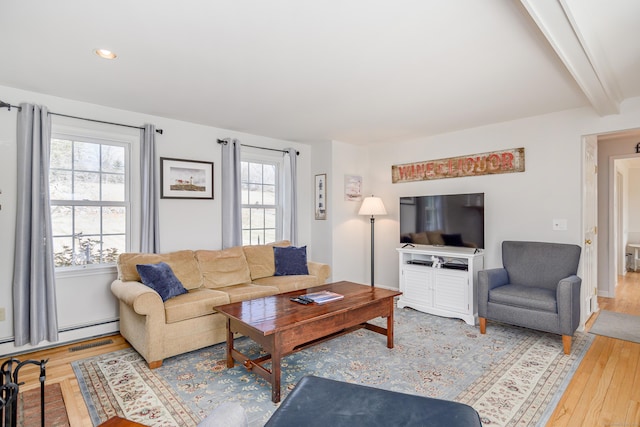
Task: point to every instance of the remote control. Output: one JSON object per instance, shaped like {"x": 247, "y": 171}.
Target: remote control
{"x": 300, "y": 300}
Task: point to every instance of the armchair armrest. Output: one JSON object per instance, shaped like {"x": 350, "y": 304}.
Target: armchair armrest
{"x": 141, "y": 298}
{"x": 487, "y": 280}
{"x": 320, "y": 270}
{"x": 568, "y": 304}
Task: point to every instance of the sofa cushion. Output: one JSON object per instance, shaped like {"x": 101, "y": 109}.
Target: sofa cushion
{"x": 161, "y": 279}
{"x": 261, "y": 259}
{"x": 248, "y": 291}
{"x": 290, "y": 261}
{"x": 223, "y": 267}
{"x": 525, "y": 296}
{"x": 289, "y": 283}
{"x": 182, "y": 263}
{"x": 195, "y": 303}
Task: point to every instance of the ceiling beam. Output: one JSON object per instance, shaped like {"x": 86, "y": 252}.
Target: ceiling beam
{"x": 554, "y": 19}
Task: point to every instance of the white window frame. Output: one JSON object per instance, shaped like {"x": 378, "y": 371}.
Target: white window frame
{"x": 252, "y": 155}
{"x": 129, "y": 140}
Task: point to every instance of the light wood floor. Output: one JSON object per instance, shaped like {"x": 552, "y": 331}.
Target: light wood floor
{"x": 605, "y": 390}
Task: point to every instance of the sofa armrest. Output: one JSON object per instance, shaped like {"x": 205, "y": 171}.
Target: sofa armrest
{"x": 141, "y": 298}
{"x": 568, "y": 304}
{"x": 320, "y": 270}
{"x": 487, "y": 280}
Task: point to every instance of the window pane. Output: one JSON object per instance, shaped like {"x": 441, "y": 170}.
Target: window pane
{"x": 61, "y": 224}
{"x": 60, "y": 156}
{"x": 255, "y": 194}
{"x": 270, "y": 218}
{"x": 86, "y": 186}
{"x": 269, "y": 194}
{"x": 257, "y": 218}
{"x": 60, "y": 185}
{"x": 270, "y": 174}
{"x": 246, "y": 237}
{"x": 114, "y": 220}
{"x": 112, "y": 158}
{"x": 255, "y": 172}
{"x": 112, "y": 246}
{"x": 62, "y": 251}
{"x": 257, "y": 237}
{"x": 86, "y": 156}
{"x": 269, "y": 236}
{"x": 245, "y": 194}
{"x": 113, "y": 187}
{"x": 244, "y": 171}
{"x": 87, "y": 220}
{"x": 246, "y": 218}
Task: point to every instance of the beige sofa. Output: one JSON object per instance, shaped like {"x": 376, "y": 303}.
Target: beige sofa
{"x": 188, "y": 322}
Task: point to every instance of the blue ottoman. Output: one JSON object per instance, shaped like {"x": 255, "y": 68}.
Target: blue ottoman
{"x": 322, "y": 402}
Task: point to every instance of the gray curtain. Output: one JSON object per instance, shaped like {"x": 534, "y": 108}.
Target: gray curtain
{"x": 231, "y": 192}
{"x": 290, "y": 218}
{"x": 34, "y": 289}
{"x": 150, "y": 192}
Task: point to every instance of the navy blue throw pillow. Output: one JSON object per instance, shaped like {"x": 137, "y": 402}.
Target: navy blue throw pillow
{"x": 161, "y": 279}
{"x": 290, "y": 260}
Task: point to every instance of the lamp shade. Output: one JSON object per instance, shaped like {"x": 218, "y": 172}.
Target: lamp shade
{"x": 372, "y": 206}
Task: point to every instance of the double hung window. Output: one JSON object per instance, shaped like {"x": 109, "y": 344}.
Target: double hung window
{"x": 261, "y": 207}
{"x": 90, "y": 207}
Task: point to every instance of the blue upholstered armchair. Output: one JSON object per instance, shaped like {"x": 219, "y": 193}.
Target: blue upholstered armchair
{"x": 537, "y": 288}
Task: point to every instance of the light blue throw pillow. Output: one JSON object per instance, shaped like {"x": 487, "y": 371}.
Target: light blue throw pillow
{"x": 161, "y": 279}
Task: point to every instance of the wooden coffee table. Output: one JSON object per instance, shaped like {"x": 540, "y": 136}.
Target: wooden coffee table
{"x": 282, "y": 326}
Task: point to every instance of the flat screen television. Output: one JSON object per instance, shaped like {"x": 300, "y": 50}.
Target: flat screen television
{"x": 443, "y": 220}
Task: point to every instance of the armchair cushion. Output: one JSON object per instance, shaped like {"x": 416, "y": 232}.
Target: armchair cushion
{"x": 525, "y": 297}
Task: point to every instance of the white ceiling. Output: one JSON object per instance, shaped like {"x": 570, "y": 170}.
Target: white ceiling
{"x": 359, "y": 71}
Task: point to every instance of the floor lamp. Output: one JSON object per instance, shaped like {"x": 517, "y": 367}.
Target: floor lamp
{"x": 372, "y": 206}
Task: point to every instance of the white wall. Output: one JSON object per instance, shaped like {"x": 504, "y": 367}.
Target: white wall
{"x": 83, "y": 300}
{"x": 633, "y": 207}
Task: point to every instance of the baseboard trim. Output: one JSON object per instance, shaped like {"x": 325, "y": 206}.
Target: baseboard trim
{"x": 66, "y": 336}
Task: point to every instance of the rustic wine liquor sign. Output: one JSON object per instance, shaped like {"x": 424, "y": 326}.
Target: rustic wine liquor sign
{"x": 495, "y": 162}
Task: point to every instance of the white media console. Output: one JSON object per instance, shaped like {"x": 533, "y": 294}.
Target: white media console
{"x": 440, "y": 280}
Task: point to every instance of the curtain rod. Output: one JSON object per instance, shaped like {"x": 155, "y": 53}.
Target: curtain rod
{"x": 222, "y": 141}
{"x": 9, "y": 106}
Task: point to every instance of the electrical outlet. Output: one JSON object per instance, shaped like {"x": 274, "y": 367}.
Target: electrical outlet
{"x": 3, "y": 314}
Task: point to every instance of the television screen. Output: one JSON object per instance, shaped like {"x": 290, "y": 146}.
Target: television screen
{"x": 443, "y": 220}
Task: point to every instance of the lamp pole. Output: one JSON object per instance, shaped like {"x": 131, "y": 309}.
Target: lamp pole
{"x": 372, "y": 206}
{"x": 373, "y": 220}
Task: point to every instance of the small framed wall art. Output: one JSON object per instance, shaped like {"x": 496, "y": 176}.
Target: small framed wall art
{"x": 353, "y": 188}
{"x": 186, "y": 179}
{"x": 321, "y": 196}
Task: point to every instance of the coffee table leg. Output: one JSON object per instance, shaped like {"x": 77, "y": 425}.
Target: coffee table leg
{"x": 276, "y": 355}
{"x": 229, "y": 345}
{"x": 390, "y": 328}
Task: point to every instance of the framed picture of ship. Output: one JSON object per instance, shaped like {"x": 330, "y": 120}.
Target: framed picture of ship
{"x": 186, "y": 179}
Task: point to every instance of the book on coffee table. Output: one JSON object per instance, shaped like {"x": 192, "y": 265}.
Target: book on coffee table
{"x": 323, "y": 297}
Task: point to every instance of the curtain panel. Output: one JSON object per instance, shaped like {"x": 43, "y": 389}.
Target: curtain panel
{"x": 150, "y": 191}
{"x": 231, "y": 193}
{"x": 34, "y": 289}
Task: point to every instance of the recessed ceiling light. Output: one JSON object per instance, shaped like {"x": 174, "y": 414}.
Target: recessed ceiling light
{"x": 105, "y": 53}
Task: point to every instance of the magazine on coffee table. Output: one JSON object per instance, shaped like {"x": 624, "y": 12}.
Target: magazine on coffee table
{"x": 324, "y": 297}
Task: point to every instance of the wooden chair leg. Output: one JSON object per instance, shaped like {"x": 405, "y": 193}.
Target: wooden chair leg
{"x": 566, "y": 343}
{"x": 483, "y": 325}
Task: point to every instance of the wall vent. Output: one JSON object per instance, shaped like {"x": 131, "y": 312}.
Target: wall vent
{"x": 90, "y": 345}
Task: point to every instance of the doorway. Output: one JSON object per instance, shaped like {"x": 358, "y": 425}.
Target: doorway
{"x": 618, "y": 205}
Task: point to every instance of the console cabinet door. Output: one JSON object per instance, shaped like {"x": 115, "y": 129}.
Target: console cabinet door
{"x": 452, "y": 291}
{"x": 418, "y": 285}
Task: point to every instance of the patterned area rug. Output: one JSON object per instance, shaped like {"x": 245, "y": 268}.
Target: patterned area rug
{"x": 511, "y": 376}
